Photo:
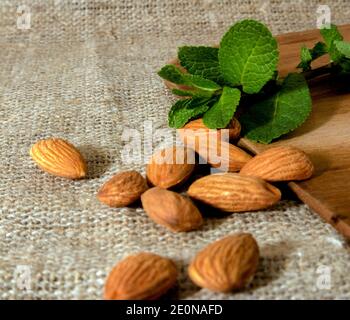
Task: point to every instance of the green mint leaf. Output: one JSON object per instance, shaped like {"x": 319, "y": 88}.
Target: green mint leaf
{"x": 172, "y": 74}
{"x": 202, "y": 84}
{"x": 343, "y": 47}
{"x": 345, "y": 65}
{"x": 192, "y": 93}
{"x": 201, "y": 61}
{"x": 309, "y": 55}
{"x": 318, "y": 50}
{"x": 221, "y": 113}
{"x": 248, "y": 55}
{"x": 306, "y": 59}
{"x": 186, "y": 109}
{"x": 331, "y": 34}
{"x": 279, "y": 114}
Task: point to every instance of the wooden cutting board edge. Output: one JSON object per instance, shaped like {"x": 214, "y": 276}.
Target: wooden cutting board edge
{"x": 319, "y": 207}
{"x": 311, "y": 37}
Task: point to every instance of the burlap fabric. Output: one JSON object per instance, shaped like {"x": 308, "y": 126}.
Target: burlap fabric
{"x": 84, "y": 71}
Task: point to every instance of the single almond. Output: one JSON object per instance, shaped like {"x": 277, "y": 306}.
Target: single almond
{"x": 122, "y": 189}
{"x": 171, "y": 210}
{"x": 280, "y": 164}
{"x": 213, "y": 149}
{"x": 197, "y": 127}
{"x": 226, "y": 265}
{"x": 170, "y": 167}
{"x": 59, "y": 157}
{"x": 232, "y": 192}
{"x": 143, "y": 276}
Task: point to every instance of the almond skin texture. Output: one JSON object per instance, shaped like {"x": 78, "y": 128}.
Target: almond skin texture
{"x": 143, "y": 276}
{"x": 280, "y": 164}
{"x": 170, "y": 167}
{"x": 232, "y": 192}
{"x": 214, "y": 150}
{"x": 226, "y": 265}
{"x": 171, "y": 210}
{"x": 233, "y": 129}
{"x": 59, "y": 157}
{"x": 122, "y": 189}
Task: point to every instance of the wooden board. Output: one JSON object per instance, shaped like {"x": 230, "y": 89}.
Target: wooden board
{"x": 325, "y": 136}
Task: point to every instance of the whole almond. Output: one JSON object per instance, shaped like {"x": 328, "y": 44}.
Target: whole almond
{"x": 170, "y": 167}
{"x": 143, "y": 276}
{"x": 280, "y": 164}
{"x": 226, "y": 265}
{"x": 122, "y": 189}
{"x": 171, "y": 210}
{"x": 59, "y": 157}
{"x": 214, "y": 150}
{"x": 232, "y": 192}
{"x": 197, "y": 127}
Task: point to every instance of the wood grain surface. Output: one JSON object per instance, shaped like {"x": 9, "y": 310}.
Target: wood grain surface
{"x": 325, "y": 136}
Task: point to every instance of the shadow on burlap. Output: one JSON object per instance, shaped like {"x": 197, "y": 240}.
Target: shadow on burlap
{"x": 85, "y": 71}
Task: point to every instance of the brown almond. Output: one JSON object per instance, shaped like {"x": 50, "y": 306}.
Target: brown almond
{"x": 59, "y": 157}
{"x": 170, "y": 167}
{"x": 232, "y": 192}
{"x": 171, "y": 210}
{"x": 216, "y": 152}
{"x": 197, "y": 127}
{"x": 122, "y": 189}
{"x": 226, "y": 265}
{"x": 280, "y": 164}
{"x": 143, "y": 276}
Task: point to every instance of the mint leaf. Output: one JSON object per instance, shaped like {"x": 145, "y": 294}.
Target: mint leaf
{"x": 331, "y": 34}
{"x": 309, "y": 55}
{"x": 279, "y": 114}
{"x": 186, "y": 109}
{"x": 192, "y": 93}
{"x": 248, "y": 55}
{"x": 221, "y": 113}
{"x": 318, "y": 50}
{"x": 201, "y": 61}
{"x": 174, "y": 74}
{"x": 343, "y": 47}
{"x": 201, "y": 83}
{"x": 306, "y": 59}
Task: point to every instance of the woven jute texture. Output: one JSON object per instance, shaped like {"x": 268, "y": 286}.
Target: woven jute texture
{"x": 85, "y": 71}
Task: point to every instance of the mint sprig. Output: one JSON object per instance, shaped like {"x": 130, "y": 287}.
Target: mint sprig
{"x": 242, "y": 72}
{"x": 279, "y": 114}
{"x": 248, "y": 55}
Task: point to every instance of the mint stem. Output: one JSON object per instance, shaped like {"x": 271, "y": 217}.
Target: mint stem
{"x": 327, "y": 69}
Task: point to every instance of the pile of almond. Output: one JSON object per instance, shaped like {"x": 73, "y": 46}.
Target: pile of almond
{"x": 225, "y": 265}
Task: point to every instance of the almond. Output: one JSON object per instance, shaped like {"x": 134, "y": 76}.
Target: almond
{"x": 198, "y": 127}
{"x": 122, "y": 189}
{"x": 213, "y": 150}
{"x": 171, "y": 210}
{"x": 232, "y": 192}
{"x": 280, "y": 164}
{"x": 59, "y": 157}
{"x": 170, "y": 167}
{"x": 143, "y": 276}
{"x": 227, "y": 264}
